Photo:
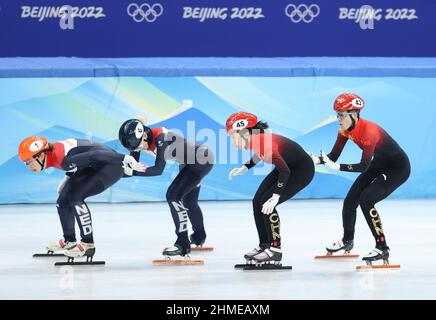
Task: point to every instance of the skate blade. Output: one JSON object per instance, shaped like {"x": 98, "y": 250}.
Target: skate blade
{"x": 267, "y": 266}
{"x": 45, "y": 255}
{"x": 201, "y": 248}
{"x": 385, "y": 267}
{"x": 336, "y": 256}
{"x": 79, "y": 263}
{"x": 178, "y": 262}
{"x": 243, "y": 265}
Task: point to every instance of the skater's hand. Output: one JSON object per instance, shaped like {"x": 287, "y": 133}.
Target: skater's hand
{"x": 128, "y": 171}
{"x": 329, "y": 163}
{"x": 130, "y": 165}
{"x": 315, "y": 160}
{"x": 61, "y": 184}
{"x": 237, "y": 172}
{"x": 270, "y": 204}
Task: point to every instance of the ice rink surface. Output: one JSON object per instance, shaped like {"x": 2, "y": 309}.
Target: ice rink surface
{"x": 129, "y": 236}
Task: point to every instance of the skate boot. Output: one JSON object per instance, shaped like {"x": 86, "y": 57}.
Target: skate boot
{"x": 346, "y": 245}
{"x": 198, "y": 238}
{"x": 55, "y": 246}
{"x": 176, "y": 250}
{"x": 81, "y": 249}
{"x": 267, "y": 256}
{"x": 381, "y": 253}
{"x": 251, "y": 254}
{"x": 60, "y": 245}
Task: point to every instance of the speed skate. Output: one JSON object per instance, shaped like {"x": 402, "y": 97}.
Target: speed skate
{"x": 263, "y": 259}
{"x": 331, "y": 255}
{"x": 201, "y": 248}
{"x": 49, "y": 253}
{"x": 183, "y": 258}
{"x": 335, "y": 247}
{"x": 199, "y": 245}
{"x": 186, "y": 261}
{"x": 55, "y": 246}
{"x": 262, "y": 266}
{"x": 74, "y": 253}
{"x": 377, "y": 255}
{"x": 384, "y": 266}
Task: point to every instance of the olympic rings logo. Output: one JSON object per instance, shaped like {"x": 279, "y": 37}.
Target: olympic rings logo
{"x": 145, "y": 12}
{"x": 302, "y": 12}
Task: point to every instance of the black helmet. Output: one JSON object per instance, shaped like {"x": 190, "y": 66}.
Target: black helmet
{"x": 131, "y": 134}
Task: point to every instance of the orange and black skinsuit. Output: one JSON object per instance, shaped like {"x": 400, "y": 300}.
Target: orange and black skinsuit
{"x": 384, "y": 166}
{"x": 294, "y": 170}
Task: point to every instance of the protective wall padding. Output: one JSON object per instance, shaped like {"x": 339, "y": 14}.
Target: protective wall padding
{"x": 65, "y": 98}
{"x": 64, "y": 67}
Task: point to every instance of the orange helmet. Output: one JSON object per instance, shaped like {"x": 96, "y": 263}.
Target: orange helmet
{"x": 348, "y": 102}
{"x": 31, "y": 147}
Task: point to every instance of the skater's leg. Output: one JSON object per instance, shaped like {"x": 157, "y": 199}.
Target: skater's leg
{"x": 66, "y": 214}
{"x": 351, "y": 202}
{"x": 195, "y": 215}
{"x": 262, "y": 221}
{"x": 378, "y": 190}
{"x": 183, "y": 184}
{"x": 190, "y": 200}
{"x": 86, "y": 185}
{"x": 64, "y": 204}
{"x": 300, "y": 177}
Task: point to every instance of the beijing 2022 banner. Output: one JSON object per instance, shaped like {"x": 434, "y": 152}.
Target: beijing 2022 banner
{"x": 220, "y": 28}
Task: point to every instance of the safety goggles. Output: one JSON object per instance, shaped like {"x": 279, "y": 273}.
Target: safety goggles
{"x": 343, "y": 115}
{"x": 30, "y": 161}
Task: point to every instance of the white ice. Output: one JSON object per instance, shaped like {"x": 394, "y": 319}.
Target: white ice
{"x": 129, "y": 236}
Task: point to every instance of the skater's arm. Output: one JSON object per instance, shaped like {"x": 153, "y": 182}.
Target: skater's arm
{"x": 253, "y": 161}
{"x": 159, "y": 164}
{"x": 364, "y": 163}
{"x": 284, "y": 173}
{"x": 136, "y": 155}
{"x": 338, "y": 147}
{"x": 90, "y": 158}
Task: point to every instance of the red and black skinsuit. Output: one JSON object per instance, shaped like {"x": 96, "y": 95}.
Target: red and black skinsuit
{"x": 384, "y": 166}
{"x": 92, "y": 167}
{"x": 294, "y": 170}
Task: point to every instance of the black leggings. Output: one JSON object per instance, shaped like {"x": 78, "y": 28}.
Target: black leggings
{"x": 182, "y": 197}
{"x": 71, "y": 201}
{"x": 268, "y": 226}
{"x": 372, "y": 186}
